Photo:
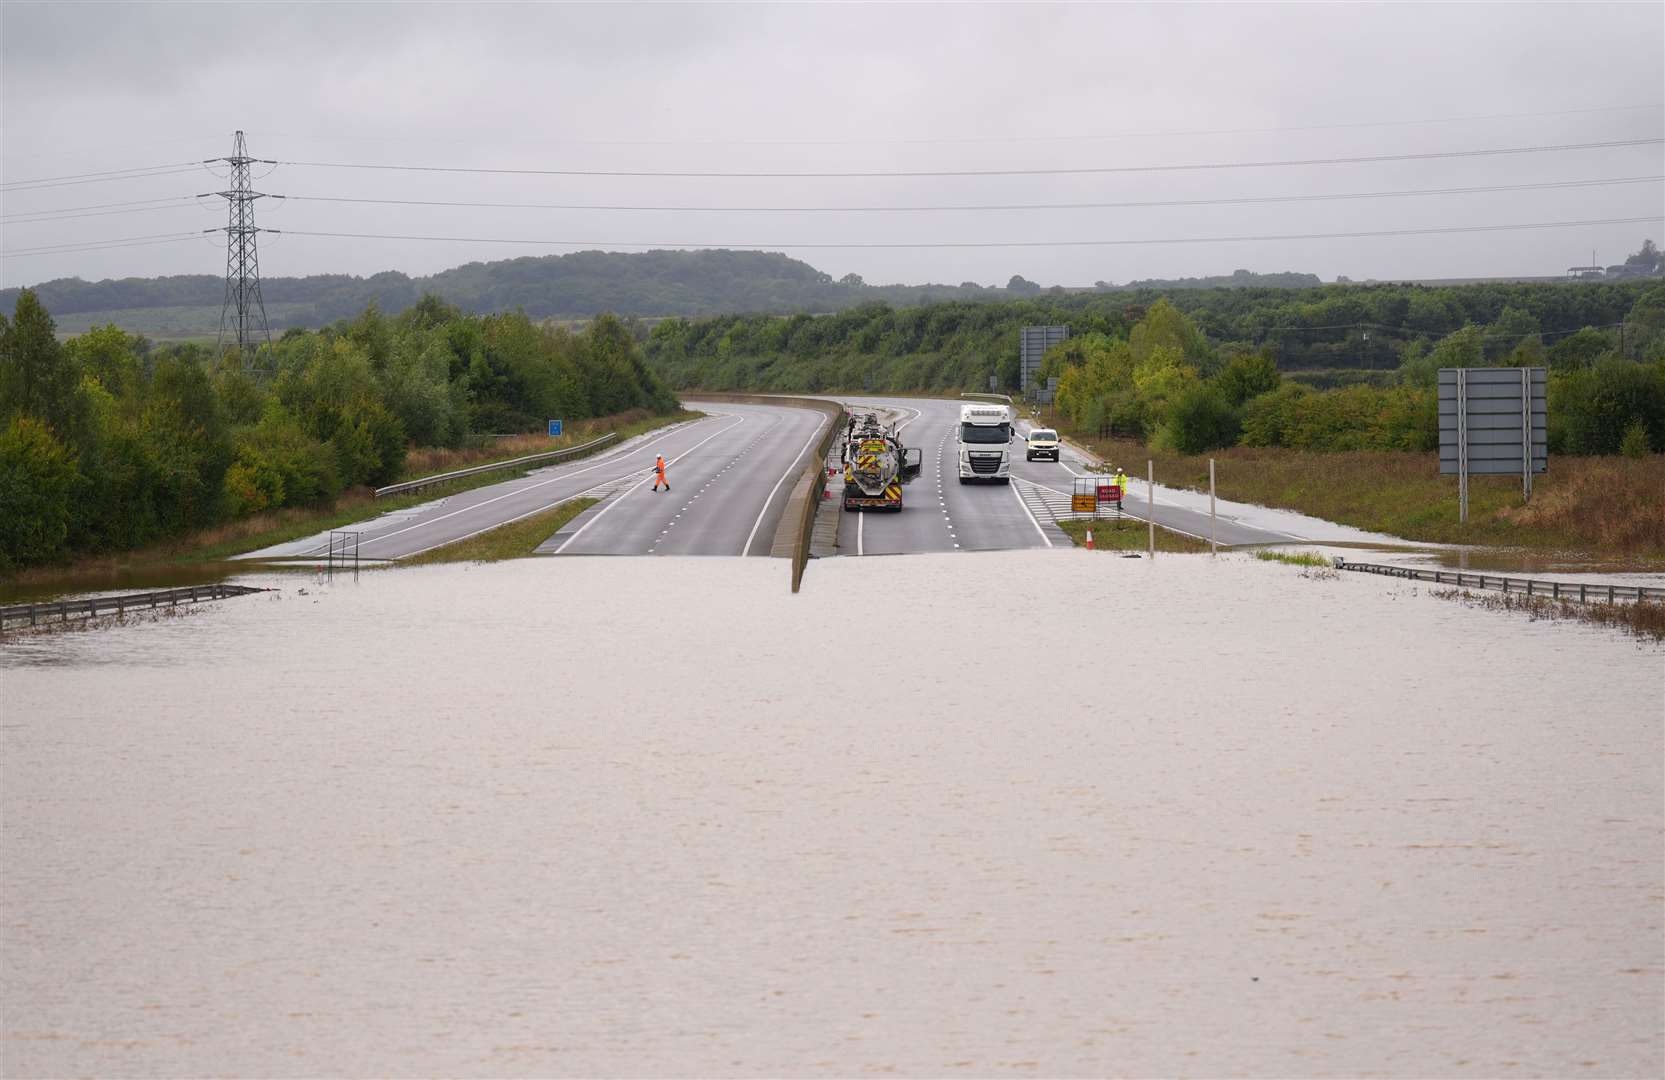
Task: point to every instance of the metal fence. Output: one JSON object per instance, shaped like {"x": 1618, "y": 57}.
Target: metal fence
{"x": 343, "y": 550}
{"x": 61, "y": 610}
{"x": 514, "y": 463}
{"x": 1581, "y": 591}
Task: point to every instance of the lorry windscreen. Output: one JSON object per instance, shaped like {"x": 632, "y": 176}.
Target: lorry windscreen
{"x": 985, "y": 433}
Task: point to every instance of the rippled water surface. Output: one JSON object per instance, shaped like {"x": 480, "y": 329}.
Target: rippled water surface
{"x": 1007, "y": 814}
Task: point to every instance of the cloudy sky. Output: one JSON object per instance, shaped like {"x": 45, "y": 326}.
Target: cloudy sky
{"x": 881, "y": 88}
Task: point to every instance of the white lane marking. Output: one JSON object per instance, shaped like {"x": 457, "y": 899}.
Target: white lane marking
{"x": 620, "y": 498}
{"x": 746, "y": 549}
{"x": 1031, "y": 514}
{"x": 488, "y": 528}
{"x": 517, "y": 491}
{"x": 861, "y": 519}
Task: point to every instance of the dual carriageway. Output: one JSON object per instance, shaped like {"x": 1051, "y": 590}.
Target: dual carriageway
{"x": 730, "y": 472}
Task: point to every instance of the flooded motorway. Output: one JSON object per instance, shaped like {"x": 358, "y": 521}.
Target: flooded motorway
{"x": 1009, "y": 813}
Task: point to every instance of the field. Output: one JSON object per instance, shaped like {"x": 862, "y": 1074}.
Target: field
{"x": 1601, "y": 507}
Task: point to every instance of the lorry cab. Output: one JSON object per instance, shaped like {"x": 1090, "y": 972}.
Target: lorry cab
{"x": 985, "y": 443}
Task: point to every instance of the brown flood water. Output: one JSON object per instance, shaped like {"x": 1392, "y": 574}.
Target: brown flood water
{"x": 1027, "y": 814}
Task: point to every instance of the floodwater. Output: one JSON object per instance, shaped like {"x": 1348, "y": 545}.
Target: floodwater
{"x": 1027, "y": 814}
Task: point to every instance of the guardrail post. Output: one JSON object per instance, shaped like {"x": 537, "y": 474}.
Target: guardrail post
{"x": 1610, "y": 594}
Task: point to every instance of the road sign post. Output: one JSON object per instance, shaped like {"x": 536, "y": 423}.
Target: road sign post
{"x": 1150, "y": 505}
{"x": 1084, "y": 497}
{"x": 1213, "y": 522}
{"x": 555, "y": 429}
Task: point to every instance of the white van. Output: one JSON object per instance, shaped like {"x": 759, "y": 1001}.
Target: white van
{"x": 985, "y": 440}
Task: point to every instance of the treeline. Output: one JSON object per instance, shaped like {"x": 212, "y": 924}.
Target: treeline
{"x": 1166, "y": 383}
{"x": 960, "y": 345}
{"x": 575, "y": 285}
{"x": 107, "y": 442}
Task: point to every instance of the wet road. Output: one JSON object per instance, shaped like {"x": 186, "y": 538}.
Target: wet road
{"x": 729, "y": 474}
{"x": 984, "y": 516}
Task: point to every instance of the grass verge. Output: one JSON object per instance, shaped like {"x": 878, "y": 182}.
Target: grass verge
{"x": 1642, "y": 618}
{"x": 1601, "y": 507}
{"x": 1128, "y": 535}
{"x": 1295, "y": 558}
{"x": 512, "y": 541}
{"x": 432, "y": 460}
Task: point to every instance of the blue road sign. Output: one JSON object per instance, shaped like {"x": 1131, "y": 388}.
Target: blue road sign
{"x": 554, "y": 429}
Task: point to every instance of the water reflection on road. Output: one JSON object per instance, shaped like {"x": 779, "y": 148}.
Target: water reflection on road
{"x": 1031, "y": 813}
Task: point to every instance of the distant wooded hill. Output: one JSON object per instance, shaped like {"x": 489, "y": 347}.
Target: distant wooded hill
{"x": 580, "y": 285}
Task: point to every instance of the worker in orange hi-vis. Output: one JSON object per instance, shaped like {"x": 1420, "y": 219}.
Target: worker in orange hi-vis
{"x": 659, "y": 474}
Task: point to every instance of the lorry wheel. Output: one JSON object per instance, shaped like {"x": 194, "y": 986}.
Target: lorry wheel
{"x": 965, "y": 479}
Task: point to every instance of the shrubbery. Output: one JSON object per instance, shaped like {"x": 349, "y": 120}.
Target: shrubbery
{"x": 112, "y": 443}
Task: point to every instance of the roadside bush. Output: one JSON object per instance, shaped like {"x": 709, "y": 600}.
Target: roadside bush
{"x": 1269, "y": 418}
{"x": 277, "y": 457}
{"x": 1248, "y": 376}
{"x": 37, "y": 481}
{"x": 1200, "y": 419}
{"x": 252, "y": 486}
{"x": 1591, "y": 411}
{"x": 1635, "y": 442}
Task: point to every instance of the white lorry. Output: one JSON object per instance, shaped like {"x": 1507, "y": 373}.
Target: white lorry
{"x": 985, "y": 442}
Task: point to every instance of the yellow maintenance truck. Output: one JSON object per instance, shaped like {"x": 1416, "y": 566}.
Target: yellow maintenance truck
{"x": 876, "y": 464}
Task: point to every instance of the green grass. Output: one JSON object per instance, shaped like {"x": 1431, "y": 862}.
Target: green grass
{"x": 433, "y": 461}
{"x": 1602, "y": 507}
{"x": 1295, "y": 558}
{"x": 515, "y": 540}
{"x": 1128, "y": 535}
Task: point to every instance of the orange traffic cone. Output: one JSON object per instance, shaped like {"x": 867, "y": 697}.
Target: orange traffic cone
{"x": 1089, "y": 539}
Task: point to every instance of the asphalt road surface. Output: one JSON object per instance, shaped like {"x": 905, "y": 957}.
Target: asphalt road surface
{"x": 938, "y": 512}
{"x": 729, "y": 472}
{"x": 730, "y": 475}
{"x": 941, "y": 514}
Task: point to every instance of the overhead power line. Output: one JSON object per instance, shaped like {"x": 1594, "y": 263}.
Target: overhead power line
{"x": 181, "y": 202}
{"x": 163, "y": 238}
{"x": 99, "y": 245}
{"x": 1071, "y": 171}
{"x": 1119, "y": 242}
{"x": 47, "y": 215}
{"x": 993, "y": 139}
{"x": 951, "y": 208}
{"x": 101, "y": 178}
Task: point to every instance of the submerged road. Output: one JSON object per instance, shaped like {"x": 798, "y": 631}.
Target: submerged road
{"x": 730, "y": 472}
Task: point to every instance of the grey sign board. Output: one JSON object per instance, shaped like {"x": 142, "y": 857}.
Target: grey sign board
{"x": 1501, "y": 405}
{"x": 1033, "y": 343}
{"x": 1493, "y": 422}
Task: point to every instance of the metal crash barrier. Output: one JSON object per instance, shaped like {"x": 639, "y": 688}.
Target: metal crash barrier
{"x": 1581, "y": 591}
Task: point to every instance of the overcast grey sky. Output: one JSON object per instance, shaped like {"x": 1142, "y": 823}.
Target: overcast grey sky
{"x": 838, "y": 88}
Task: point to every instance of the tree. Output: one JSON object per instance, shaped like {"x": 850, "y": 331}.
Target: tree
{"x": 37, "y": 480}
{"x": 1512, "y": 327}
{"x": 1646, "y": 260}
{"x": 852, "y": 281}
{"x": 1201, "y": 419}
{"x": 1020, "y": 284}
{"x": 1578, "y": 351}
{"x": 37, "y": 377}
{"x": 1248, "y": 375}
